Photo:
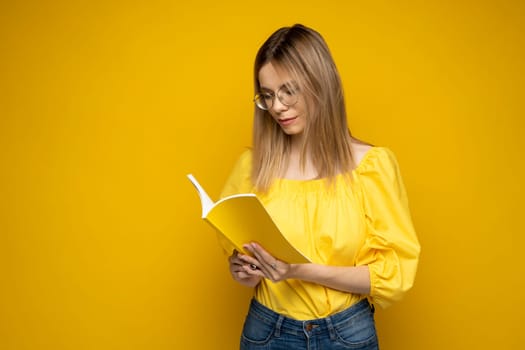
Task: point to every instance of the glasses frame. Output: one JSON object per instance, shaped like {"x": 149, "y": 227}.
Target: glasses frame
{"x": 260, "y": 96}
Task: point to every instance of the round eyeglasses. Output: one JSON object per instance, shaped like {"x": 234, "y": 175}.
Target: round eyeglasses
{"x": 286, "y": 95}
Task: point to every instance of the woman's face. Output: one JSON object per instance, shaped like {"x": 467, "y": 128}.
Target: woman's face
{"x": 291, "y": 118}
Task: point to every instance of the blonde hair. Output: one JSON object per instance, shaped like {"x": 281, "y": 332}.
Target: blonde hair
{"x": 303, "y": 53}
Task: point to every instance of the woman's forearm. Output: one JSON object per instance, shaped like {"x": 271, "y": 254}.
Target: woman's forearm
{"x": 344, "y": 278}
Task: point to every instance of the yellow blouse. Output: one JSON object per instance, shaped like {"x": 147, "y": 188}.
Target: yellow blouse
{"x": 365, "y": 221}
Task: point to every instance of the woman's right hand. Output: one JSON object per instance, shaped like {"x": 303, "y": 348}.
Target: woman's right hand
{"x": 242, "y": 271}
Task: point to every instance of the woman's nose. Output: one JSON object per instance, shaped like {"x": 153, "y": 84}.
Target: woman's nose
{"x": 277, "y": 105}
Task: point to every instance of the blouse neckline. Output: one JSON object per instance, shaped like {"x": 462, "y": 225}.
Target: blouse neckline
{"x": 357, "y": 169}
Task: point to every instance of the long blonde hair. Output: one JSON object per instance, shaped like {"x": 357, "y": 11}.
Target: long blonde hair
{"x": 302, "y": 52}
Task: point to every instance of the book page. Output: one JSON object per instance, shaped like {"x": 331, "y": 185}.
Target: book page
{"x": 206, "y": 202}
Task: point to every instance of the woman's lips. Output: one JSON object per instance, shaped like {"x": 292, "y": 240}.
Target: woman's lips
{"x": 287, "y": 121}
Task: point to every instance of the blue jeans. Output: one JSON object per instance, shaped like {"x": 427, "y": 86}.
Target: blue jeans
{"x": 353, "y": 328}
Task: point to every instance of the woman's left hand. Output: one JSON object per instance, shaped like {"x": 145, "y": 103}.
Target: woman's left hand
{"x": 351, "y": 279}
{"x": 266, "y": 265}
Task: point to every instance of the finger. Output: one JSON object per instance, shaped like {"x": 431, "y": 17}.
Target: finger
{"x": 251, "y": 271}
{"x": 259, "y": 252}
{"x": 252, "y": 267}
{"x": 245, "y": 268}
{"x": 263, "y": 256}
{"x": 262, "y": 267}
{"x": 247, "y": 272}
{"x": 234, "y": 254}
{"x": 235, "y": 260}
{"x": 268, "y": 264}
{"x": 250, "y": 260}
{"x": 240, "y": 275}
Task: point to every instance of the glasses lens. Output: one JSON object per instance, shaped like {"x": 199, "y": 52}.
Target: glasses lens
{"x": 287, "y": 95}
{"x": 263, "y": 101}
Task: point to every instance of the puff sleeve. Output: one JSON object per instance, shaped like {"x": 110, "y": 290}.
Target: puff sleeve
{"x": 391, "y": 248}
{"x": 239, "y": 180}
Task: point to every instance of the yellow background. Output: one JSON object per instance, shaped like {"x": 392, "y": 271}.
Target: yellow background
{"x": 106, "y": 105}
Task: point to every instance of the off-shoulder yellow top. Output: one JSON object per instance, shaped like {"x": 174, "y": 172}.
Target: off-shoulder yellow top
{"x": 364, "y": 221}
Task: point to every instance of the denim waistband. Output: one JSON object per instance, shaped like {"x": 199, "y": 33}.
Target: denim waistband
{"x": 314, "y": 326}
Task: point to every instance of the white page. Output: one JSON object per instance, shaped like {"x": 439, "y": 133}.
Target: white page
{"x": 206, "y": 201}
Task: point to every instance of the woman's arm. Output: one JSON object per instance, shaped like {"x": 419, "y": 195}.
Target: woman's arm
{"x": 351, "y": 279}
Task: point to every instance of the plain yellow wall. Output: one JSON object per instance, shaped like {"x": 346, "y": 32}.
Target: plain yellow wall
{"x": 106, "y": 105}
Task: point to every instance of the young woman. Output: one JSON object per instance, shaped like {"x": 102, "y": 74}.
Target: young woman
{"x": 338, "y": 200}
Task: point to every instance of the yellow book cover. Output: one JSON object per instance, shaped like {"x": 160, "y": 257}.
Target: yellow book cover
{"x": 241, "y": 219}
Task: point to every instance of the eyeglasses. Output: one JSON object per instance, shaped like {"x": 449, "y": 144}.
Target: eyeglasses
{"x": 286, "y": 94}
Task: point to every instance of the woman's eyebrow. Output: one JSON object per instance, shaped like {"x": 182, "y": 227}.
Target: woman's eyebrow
{"x": 265, "y": 89}
{"x": 291, "y": 83}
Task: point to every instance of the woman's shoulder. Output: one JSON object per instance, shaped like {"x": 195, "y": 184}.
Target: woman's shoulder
{"x": 243, "y": 163}
{"x": 239, "y": 180}
{"x": 244, "y": 160}
{"x": 359, "y": 150}
{"x": 370, "y": 157}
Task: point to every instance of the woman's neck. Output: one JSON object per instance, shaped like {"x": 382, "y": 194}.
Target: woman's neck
{"x": 298, "y": 168}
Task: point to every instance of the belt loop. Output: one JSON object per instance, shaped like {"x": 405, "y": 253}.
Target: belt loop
{"x": 278, "y": 326}
{"x": 331, "y": 328}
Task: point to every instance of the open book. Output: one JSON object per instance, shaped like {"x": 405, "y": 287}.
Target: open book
{"x": 241, "y": 219}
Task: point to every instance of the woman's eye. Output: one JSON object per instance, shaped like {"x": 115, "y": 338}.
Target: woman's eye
{"x": 289, "y": 91}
